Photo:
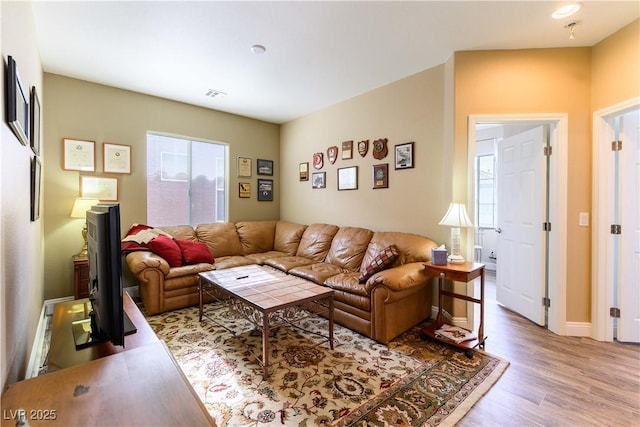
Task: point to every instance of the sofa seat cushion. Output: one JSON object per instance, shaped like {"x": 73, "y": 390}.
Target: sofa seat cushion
{"x": 232, "y": 261}
{"x": 286, "y": 263}
{"x": 318, "y": 272}
{"x": 262, "y": 258}
{"x": 188, "y": 270}
{"x": 348, "y": 282}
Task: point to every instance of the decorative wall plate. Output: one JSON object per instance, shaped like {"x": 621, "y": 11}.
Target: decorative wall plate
{"x": 380, "y": 149}
{"x": 363, "y": 147}
{"x": 318, "y": 160}
{"x": 332, "y": 154}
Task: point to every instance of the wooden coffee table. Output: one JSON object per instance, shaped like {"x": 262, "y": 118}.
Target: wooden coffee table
{"x": 267, "y": 298}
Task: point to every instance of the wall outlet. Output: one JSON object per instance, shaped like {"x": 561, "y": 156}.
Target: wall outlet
{"x": 492, "y": 253}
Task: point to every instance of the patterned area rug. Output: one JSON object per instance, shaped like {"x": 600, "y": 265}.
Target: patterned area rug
{"x": 411, "y": 382}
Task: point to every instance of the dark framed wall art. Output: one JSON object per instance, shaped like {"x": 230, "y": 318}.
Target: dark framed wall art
{"x": 381, "y": 176}
{"x": 265, "y": 190}
{"x": 36, "y": 171}
{"x": 17, "y": 103}
{"x": 35, "y": 121}
{"x": 404, "y": 155}
{"x": 348, "y": 178}
{"x": 265, "y": 167}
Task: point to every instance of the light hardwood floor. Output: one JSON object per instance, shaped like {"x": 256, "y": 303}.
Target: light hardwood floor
{"x": 554, "y": 380}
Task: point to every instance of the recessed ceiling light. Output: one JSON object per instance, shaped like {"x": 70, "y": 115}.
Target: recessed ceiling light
{"x": 566, "y": 10}
{"x": 258, "y": 49}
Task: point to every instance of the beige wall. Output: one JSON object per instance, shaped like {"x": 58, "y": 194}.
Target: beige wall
{"x": 411, "y": 109}
{"x": 21, "y": 252}
{"x": 615, "y": 68}
{"x": 88, "y": 111}
{"x": 537, "y": 81}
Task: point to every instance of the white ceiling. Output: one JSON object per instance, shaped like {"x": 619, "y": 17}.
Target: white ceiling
{"x": 318, "y": 53}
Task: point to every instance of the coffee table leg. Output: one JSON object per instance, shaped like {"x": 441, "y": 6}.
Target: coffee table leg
{"x": 331, "y": 322}
{"x": 265, "y": 345}
{"x": 200, "y": 296}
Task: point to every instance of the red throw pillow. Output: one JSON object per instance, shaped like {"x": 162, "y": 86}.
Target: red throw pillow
{"x": 383, "y": 260}
{"x": 168, "y": 249}
{"x": 195, "y": 252}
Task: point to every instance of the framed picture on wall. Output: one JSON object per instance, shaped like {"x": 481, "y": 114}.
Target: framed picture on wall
{"x": 244, "y": 167}
{"x": 244, "y": 190}
{"x": 319, "y": 180}
{"x": 35, "y": 122}
{"x": 265, "y": 167}
{"x": 116, "y": 158}
{"x": 35, "y": 188}
{"x": 78, "y": 155}
{"x": 348, "y": 178}
{"x": 265, "y": 190}
{"x": 381, "y": 176}
{"x": 17, "y": 103}
{"x": 99, "y": 187}
{"x": 404, "y": 155}
{"x": 303, "y": 170}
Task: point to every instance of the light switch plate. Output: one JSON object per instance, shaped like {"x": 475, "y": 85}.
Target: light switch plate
{"x": 583, "y": 220}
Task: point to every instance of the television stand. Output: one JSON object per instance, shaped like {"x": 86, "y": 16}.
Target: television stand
{"x": 82, "y": 329}
{"x": 63, "y": 352}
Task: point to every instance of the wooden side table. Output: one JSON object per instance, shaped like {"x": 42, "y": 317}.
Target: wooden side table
{"x": 80, "y": 277}
{"x": 461, "y": 273}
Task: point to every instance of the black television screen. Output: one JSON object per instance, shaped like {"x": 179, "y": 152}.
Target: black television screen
{"x": 108, "y": 321}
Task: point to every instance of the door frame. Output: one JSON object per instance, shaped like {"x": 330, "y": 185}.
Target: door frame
{"x": 602, "y": 244}
{"x": 557, "y": 272}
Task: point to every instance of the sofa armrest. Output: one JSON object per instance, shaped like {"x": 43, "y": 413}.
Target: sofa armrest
{"x": 400, "y": 278}
{"x": 138, "y": 261}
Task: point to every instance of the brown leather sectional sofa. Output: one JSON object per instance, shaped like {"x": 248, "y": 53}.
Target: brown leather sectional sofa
{"x": 387, "y": 304}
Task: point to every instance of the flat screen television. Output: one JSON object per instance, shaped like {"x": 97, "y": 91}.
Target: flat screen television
{"x": 106, "y": 320}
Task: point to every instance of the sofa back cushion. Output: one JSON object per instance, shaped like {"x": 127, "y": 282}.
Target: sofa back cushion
{"x": 348, "y": 247}
{"x": 256, "y": 236}
{"x": 288, "y": 237}
{"x": 316, "y": 241}
{"x": 181, "y": 232}
{"x": 411, "y": 247}
{"x": 221, "y": 238}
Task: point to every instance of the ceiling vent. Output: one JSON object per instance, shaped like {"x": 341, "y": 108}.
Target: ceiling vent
{"x": 212, "y": 93}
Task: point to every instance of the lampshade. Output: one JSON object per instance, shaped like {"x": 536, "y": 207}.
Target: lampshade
{"x": 81, "y": 206}
{"x": 456, "y": 216}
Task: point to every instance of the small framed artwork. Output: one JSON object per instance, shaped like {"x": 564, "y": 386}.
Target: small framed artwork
{"x": 265, "y": 167}
{"x": 17, "y": 103}
{"x": 381, "y": 176}
{"x": 303, "y": 169}
{"x": 35, "y": 188}
{"x": 348, "y": 178}
{"x": 78, "y": 155}
{"x": 265, "y": 190}
{"x": 99, "y": 187}
{"x": 404, "y": 155}
{"x": 116, "y": 158}
{"x": 347, "y": 150}
{"x": 319, "y": 180}
{"x": 244, "y": 167}
{"x": 35, "y": 122}
{"x": 244, "y": 190}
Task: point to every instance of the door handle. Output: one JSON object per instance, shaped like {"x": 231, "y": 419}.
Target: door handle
{"x": 498, "y": 230}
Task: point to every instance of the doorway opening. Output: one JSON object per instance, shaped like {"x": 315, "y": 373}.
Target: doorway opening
{"x": 553, "y": 266}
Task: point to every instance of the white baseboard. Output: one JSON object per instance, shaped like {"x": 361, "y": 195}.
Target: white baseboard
{"x": 578, "y": 329}
{"x": 38, "y": 342}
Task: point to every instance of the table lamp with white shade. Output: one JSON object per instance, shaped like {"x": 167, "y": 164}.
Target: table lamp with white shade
{"x": 79, "y": 210}
{"x": 456, "y": 217}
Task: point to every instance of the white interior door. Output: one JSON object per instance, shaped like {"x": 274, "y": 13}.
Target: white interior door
{"x": 629, "y": 214}
{"x": 520, "y": 268}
